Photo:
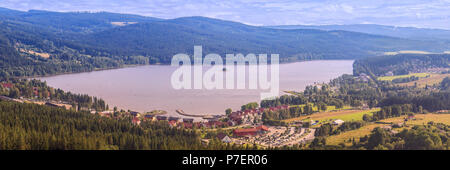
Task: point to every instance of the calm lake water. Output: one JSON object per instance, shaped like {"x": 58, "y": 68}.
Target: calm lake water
{"x": 146, "y": 88}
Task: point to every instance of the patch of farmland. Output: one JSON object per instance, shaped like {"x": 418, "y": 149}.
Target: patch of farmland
{"x": 346, "y": 115}
{"x": 432, "y": 80}
{"x": 390, "y": 78}
{"x": 420, "y": 119}
{"x": 356, "y": 134}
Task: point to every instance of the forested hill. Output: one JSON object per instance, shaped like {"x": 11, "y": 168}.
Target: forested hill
{"x": 78, "y": 22}
{"x": 401, "y": 64}
{"x": 163, "y": 39}
{"x": 44, "y": 42}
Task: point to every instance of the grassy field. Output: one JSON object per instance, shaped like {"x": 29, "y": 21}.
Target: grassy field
{"x": 390, "y": 78}
{"x": 329, "y": 108}
{"x": 43, "y": 55}
{"x": 421, "y": 119}
{"x": 356, "y": 134}
{"x": 432, "y": 80}
{"x": 355, "y": 116}
{"x": 345, "y": 115}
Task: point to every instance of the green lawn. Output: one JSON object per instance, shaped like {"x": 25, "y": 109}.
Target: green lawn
{"x": 390, "y": 78}
{"x": 355, "y": 116}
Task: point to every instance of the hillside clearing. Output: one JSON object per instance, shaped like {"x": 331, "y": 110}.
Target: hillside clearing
{"x": 421, "y": 119}
{"x": 345, "y": 115}
{"x": 390, "y": 78}
{"x": 432, "y": 80}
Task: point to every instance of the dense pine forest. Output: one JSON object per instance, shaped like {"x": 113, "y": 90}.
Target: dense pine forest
{"x": 38, "y": 90}
{"x": 36, "y": 127}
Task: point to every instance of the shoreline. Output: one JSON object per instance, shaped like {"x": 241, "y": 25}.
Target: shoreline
{"x": 100, "y": 69}
{"x": 157, "y": 64}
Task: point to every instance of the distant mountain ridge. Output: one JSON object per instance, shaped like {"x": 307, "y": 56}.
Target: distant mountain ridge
{"x": 392, "y": 31}
{"x": 168, "y": 37}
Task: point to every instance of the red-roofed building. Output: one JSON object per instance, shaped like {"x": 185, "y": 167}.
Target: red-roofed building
{"x": 187, "y": 125}
{"x": 246, "y": 111}
{"x": 245, "y": 132}
{"x": 272, "y": 108}
{"x": 35, "y": 91}
{"x": 262, "y": 127}
{"x": 7, "y": 85}
{"x": 173, "y": 123}
{"x": 261, "y": 109}
{"x": 250, "y": 131}
{"x": 136, "y": 121}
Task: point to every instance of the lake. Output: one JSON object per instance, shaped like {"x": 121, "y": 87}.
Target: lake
{"x": 146, "y": 88}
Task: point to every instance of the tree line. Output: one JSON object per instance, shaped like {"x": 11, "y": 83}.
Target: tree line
{"x": 36, "y": 127}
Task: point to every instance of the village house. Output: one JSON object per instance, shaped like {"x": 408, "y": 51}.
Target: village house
{"x": 224, "y": 138}
{"x": 338, "y": 122}
{"x": 107, "y": 113}
{"x": 190, "y": 125}
{"x": 136, "y": 121}
{"x": 173, "y": 123}
{"x": 7, "y": 86}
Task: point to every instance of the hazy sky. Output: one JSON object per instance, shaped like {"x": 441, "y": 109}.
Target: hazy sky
{"x": 417, "y": 13}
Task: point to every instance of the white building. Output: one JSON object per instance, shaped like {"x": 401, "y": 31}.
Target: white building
{"x": 338, "y": 122}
